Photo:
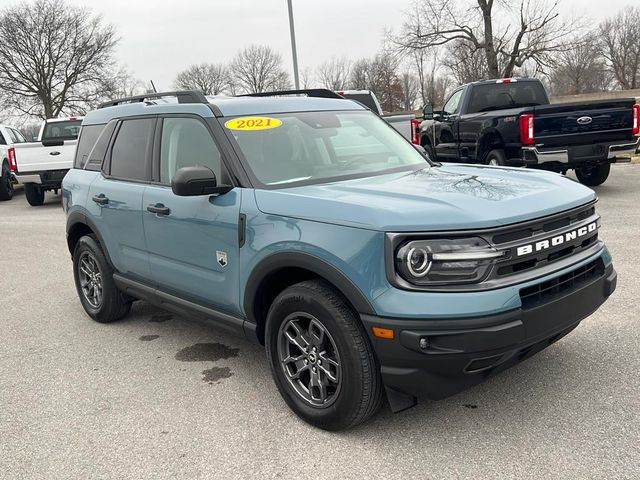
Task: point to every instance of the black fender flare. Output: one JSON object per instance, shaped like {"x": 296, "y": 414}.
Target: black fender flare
{"x": 305, "y": 261}
{"x": 80, "y": 218}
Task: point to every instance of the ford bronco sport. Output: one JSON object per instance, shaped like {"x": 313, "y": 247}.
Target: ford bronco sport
{"x": 311, "y": 226}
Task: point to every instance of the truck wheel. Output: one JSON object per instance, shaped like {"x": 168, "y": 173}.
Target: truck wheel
{"x": 34, "y": 194}
{"x": 6, "y": 185}
{"x": 593, "y": 176}
{"x": 320, "y": 357}
{"x": 496, "y": 157}
{"x": 430, "y": 152}
{"x": 93, "y": 276}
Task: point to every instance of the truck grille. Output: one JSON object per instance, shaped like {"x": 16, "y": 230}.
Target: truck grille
{"x": 560, "y": 227}
{"x": 560, "y": 286}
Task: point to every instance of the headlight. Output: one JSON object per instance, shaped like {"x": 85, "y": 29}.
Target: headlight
{"x": 446, "y": 261}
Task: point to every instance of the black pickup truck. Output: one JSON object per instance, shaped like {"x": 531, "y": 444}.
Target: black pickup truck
{"x": 510, "y": 122}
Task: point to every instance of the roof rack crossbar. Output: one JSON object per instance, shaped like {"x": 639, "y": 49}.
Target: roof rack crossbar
{"x": 309, "y": 92}
{"x": 184, "y": 96}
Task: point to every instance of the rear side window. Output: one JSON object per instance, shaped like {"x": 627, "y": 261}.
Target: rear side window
{"x": 497, "y": 96}
{"x": 88, "y": 136}
{"x": 131, "y": 150}
{"x": 19, "y": 137}
{"x": 97, "y": 154}
{"x": 65, "y": 130}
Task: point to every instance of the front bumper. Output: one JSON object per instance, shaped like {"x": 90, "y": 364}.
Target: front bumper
{"x": 580, "y": 154}
{"x": 438, "y": 358}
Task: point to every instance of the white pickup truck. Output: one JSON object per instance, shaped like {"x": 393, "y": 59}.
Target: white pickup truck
{"x": 40, "y": 166}
{"x": 405, "y": 123}
{"x": 9, "y": 137}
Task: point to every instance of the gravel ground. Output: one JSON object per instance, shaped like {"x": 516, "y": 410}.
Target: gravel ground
{"x": 157, "y": 396}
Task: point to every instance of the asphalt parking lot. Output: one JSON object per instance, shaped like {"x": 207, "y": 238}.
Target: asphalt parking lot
{"x": 157, "y": 396}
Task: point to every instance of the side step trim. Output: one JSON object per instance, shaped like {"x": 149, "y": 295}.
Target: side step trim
{"x": 186, "y": 308}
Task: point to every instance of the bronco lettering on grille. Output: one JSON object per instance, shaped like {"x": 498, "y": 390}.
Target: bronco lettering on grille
{"x": 557, "y": 240}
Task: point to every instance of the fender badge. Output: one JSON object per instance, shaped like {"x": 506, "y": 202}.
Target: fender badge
{"x": 222, "y": 258}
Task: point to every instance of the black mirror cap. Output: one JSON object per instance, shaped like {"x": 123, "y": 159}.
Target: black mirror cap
{"x": 53, "y": 142}
{"x": 198, "y": 180}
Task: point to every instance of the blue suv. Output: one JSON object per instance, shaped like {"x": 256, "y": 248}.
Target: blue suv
{"x": 307, "y": 224}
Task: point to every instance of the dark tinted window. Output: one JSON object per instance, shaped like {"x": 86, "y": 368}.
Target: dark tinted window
{"x": 130, "y": 153}
{"x": 497, "y": 96}
{"x": 65, "y": 130}
{"x": 365, "y": 99}
{"x": 88, "y": 136}
{"x": 186, "y": 142}
{"x": 96, "y": 155}
{"x": 2, "y": 139}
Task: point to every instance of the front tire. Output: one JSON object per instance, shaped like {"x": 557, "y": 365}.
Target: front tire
{"x": 34, "y": 194}
{"x": 320, "y": 357}
{"x": 93, "y": 276}
{"x": 6, "y": 185}
{"x": 594, "y": 176}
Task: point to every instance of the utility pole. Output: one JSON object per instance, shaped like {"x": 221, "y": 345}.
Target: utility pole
{"x": 296, "y": 79}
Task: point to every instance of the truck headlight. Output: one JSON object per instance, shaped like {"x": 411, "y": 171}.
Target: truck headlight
{"x": 446, "y": 261}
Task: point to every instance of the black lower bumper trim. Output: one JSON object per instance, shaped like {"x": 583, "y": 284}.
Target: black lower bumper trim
{"x": 438, "y": 358}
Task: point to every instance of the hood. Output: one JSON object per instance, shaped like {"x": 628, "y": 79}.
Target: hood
{"x": 452, "y": 197}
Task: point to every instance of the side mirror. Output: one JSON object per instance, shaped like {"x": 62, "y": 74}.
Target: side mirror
{"x": 198, "y": 180}
{"x": 427, "y": 112}
{"x": 53, "y": 143}
{"x": 437, "y": 115}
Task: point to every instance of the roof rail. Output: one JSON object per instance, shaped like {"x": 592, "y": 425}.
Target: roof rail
{"x": 184, "y": 96}
{"x": 309, "y": 92}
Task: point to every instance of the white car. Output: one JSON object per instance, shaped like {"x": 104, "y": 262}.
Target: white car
{"x": 40, "y": 166}
{"x": 9, "y": 137}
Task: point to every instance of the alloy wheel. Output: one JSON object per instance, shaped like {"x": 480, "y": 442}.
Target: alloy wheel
{"x": 90, "y": 279}
{"x": 309, "y": 359}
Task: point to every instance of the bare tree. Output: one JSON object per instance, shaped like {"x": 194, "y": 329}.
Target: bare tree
{"x": 433, "y": 85}
{"x": 380, "y": 75}
{"x": 306, "y": 77}
{"x": 258, "y": 68}
{"x": 621, "y": 46}
{"x": 334, "y": 74}
{"x": 123, "y": 84}
{"x": 208, "y": 78}
{"x": 537, "y": 34}
{"x": 410, "y": 91}
{"x": 54, "y": 58}
{"x": 580, "y": 69}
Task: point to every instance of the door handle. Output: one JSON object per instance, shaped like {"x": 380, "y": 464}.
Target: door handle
{"x": 101, "y": 199}
{"x": 159, "y": 209}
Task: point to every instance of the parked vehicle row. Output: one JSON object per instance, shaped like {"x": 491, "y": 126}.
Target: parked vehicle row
{"x": 9, "y": 137}
{"x": 509, "y": 122}
{"x": 310, "y": 226}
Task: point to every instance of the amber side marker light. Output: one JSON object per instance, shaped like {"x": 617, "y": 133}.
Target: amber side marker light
{"x": 385, "y": 333}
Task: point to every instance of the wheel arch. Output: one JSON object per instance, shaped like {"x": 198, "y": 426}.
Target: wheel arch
{"x": 280, "y": 270}
{"x": 489, "y": 140}
{"x": 79, "y": 225}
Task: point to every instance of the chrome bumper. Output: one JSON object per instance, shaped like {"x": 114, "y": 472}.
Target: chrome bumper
{"x": 22, "y": 179}
{"x": 562, "y": 156}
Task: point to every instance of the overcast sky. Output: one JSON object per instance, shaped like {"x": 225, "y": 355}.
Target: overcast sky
{"x": 162, "y": 37}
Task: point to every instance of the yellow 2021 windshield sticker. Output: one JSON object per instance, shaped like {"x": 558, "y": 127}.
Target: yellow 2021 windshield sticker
{"x": 253, "y": 123}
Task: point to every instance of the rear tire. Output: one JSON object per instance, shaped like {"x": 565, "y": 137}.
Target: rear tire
{"x": 594, "y": 176}
{"x": 496, "y": 157}
{"x": 430, "y": 152}
{"x": 333, "y": 383}
{"x": 34, "y": 194}
{"x": 6, "y": 185}
{"x": 93, "y": 277}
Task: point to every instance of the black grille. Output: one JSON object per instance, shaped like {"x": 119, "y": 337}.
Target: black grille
{"x": 548, "y": 291}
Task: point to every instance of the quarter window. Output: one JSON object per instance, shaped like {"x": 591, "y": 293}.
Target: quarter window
{"x": 130, "y": 152}
{"x": 186, "y": 142}
{"x": 88, "y": 136}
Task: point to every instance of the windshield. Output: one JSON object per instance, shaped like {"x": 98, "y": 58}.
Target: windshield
{"x": 316, "y": 147}
{"x": 66, "y": 130}
{"x": 498, "y": 96}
